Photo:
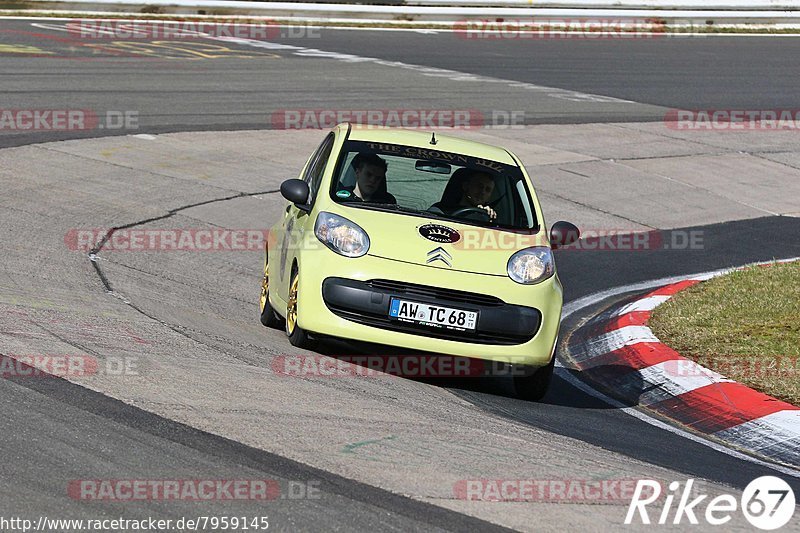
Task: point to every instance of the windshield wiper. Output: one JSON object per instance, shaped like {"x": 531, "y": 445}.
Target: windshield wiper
{"x": 377, "y": 204}
{"x": 386, "y": 205}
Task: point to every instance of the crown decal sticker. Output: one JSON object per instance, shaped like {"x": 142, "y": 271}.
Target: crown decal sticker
{"x": 439, "y": 233}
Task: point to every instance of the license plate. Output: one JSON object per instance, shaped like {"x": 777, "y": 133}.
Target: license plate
{"x": 432, "y": 315}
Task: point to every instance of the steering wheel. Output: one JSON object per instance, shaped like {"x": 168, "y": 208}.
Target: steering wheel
{"x": 470, "y": 211}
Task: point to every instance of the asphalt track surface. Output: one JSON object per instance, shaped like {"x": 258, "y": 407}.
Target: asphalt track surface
{"x": 678, "y": 72}
{"x": 175, "y": 86}
{"x": 89, "y": 427}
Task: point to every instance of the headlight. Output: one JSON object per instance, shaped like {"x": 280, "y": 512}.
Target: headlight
{"x": 531, "y": 265}
{"x": 340, "y": 235}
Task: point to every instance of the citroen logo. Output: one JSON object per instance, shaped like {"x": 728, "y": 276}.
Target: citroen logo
{"x": 439, "y": 254}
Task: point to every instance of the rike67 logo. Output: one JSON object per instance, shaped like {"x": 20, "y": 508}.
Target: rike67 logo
{"x": 767, "y": 503}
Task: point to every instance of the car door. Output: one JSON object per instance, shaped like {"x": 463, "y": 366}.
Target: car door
{"x": 296, "y": 221}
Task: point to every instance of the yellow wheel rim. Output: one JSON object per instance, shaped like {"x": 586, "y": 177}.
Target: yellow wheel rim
{"x": 291, "y": 309}
{"x": 264, "y": 288}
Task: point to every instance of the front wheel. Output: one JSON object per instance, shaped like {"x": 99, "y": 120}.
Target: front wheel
{"x": 297, "y": 335}
{"x": 533, "y": 384}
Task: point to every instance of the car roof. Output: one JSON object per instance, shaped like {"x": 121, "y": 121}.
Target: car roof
{"x": 422, "y": 139}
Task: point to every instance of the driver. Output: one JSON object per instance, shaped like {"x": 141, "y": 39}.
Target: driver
{"x": 476, "y": 190}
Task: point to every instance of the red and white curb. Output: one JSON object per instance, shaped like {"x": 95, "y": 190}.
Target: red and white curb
{"x": 618, "y": 350}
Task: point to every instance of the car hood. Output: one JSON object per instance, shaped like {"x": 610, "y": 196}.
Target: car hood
{"x": 443, "y": 244}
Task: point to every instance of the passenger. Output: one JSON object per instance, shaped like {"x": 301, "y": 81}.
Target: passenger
{"x": 370, "y": 186}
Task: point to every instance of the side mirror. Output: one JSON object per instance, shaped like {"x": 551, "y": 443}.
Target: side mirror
{"x": 296, "y": 191}
{"x": 563, "y": 234}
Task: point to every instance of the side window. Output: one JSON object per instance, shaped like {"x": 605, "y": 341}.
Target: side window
{"x": 316, "y": 166}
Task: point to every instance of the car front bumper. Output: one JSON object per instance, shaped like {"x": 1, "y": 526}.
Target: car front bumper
{"x": 349, "y": 298}
{"x": 367, "y": 302}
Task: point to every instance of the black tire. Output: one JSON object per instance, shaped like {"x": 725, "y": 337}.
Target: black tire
{"x": 533, "y": 384}
{"x": 269, "y": 317}
{"x": 297, "y": 336}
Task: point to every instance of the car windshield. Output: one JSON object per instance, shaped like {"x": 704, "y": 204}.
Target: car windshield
{"x": 434, "y": 184}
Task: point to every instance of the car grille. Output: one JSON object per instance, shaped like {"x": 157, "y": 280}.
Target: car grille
{"x": 461, "y": 336}
{"x": 411, "y": 289}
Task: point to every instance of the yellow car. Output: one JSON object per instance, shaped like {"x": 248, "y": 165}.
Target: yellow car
{"x": 421, "y": 241}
